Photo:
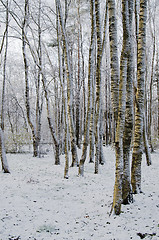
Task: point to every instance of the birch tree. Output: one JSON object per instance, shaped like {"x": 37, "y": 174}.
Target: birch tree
{"x": 157, "y": 79}
{"x": 127, "y": 138}
{"x": 145, "y": 139}
{"x": 78, "y": 85}
{"x": 115, "y": 76}
{"x": 5, "y": 65}
{"x": 117, "y": 200}
{"x": 35, "y": 127}
{"x": 69, "y": 85}
{"x": 98, "y": 117}
{"x": 64, "y": 93}
{"x": 122, "y": 103}
{"x": 90, "y": 82}
{"x": 114, "y": 59}
{"x": 94, "y": 101}
{"x": 38, "y": 61}
{"x": 151, "y": 91}
{"x": 98, "y": 83}
{"x": 4, "y": 162}
{"x": 139, "y": 106}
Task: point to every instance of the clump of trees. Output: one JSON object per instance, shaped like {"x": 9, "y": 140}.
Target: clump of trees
{"x": 89, "y": 69}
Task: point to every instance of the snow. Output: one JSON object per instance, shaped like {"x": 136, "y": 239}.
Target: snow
{"x": 37, "y": 203}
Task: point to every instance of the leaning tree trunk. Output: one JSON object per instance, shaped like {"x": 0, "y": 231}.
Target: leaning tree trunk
{"x": 27, "y": 103}
{"x": 139, "y": 106}
{"x": 50, "y": 122}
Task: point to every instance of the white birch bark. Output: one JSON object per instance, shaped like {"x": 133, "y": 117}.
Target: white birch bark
{"x": 121, "y": 113}
{"x": 78, "y": 85}
{"x": 98, "y": 84}
{"x": 157, "y": 79}
{"x": 92, "y": 126}
{"x": 139, "y": 107}
{"x": 146, "y": 144}
{"x": 69, "y": 86}
{"x": 64, "y": 96}
{"x": 50, "y": 122}
{"x": 114, "y": 62}
{"x": 4, "y": 67}
{"x": 127, "y": 138}
{"x": 90, "y": 79}
{"x": 114, "y": 59}
{"x": 27, "y": 103}
{"x": 151, "y": 94}
{"x": 4, "y": 162}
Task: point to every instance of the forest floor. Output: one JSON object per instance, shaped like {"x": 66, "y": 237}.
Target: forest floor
{"x": 37, "y": 203}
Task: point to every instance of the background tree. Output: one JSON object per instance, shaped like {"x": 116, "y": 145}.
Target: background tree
{"x": 35, "y": 127}
{"x": 90, "y": 81}
{"x": 4, "y": 162}
{"x": 69, "y": 86}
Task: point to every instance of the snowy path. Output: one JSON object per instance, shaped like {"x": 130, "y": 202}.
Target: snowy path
{"x": 36, "y": 203}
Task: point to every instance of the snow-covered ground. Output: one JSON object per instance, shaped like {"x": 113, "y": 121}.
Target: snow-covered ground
{"x": 37, "y": 203}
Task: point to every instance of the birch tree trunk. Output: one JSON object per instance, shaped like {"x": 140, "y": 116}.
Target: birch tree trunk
{"x": 117, "y": 199}
{"x": 114, "y": 59}
{"x": 157, "y": 79}
{"x": 38, "y": 83}
{"x": 78, "y": 86}
{"x": 66, "y": 141}
{"x": 139, "y": 107}
{"x": 83, "y": 87}
{"x": 26, "y": 67}
{"x": 137, "y": 4}
{"x": 92, "y": 127}
{"x": 90, "y": 80}
{"x": 151, "y": 95}
{"x": 145, "y": 123}
{"x": 146, "y": 144}
{"x": 100, "y": 48}
{"x": 64, "y": 95}
{"x": 106, "y": 112}
{"x": 4, "y": 162}
{"x": 4, "y": 68}
{"x": 114, "y": 63}
{"x": 126, "y": 184}
{"x": 158, "y": 98}
{"x": 69, "y": 86}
